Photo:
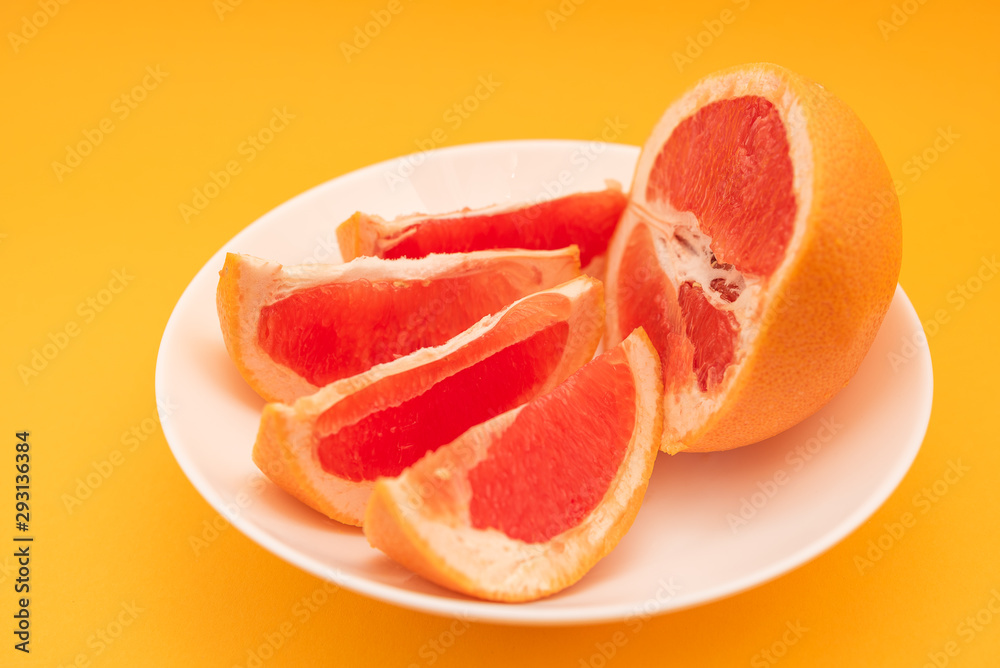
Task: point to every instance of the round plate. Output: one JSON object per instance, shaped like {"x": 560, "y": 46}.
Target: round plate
{"x": 710, "y": 526}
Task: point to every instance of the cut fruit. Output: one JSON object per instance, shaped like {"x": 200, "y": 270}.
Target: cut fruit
{"x": 524, "y": 505}
{"x": 291, "y": 330}
{"x": 327, "y": 449}
{"x": 760, "y": 249}
{"x": 586, "y": 219}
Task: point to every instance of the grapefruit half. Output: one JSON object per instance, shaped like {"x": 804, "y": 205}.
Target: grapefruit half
{"x": 327, "y": 449}
{"x": 291, "y": 330}
{"x": 586, "y": 219}
{"x": 523, "y": 505}
{"x": 760, "y": 251}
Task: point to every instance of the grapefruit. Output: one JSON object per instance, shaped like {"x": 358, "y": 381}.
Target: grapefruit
{"x": 327, "y": 449}
{"x": 760, "y": 251}
{"x": 586, "y": 219}
{"x": 523, "y": 505}
{"x": 291, "y": 330}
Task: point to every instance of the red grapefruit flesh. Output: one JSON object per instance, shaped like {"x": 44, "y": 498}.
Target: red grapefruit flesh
{"x": 711, "y": 331}
{"x": 504, "y": 494}
{"x": 728, "y": 164}
{"x": 327, "y": 449}
{"x": 387, "y": 441}
{"x": 525, "y": 504}
{"x": 746, "y": 254}
{"x": 292, "y": 330}
{"x": 586, "y": 219}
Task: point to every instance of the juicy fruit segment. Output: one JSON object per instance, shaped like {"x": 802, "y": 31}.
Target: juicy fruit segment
{"x": 387, "y": 441}
{"x": 750, "y": 254}
{"x": 338, "y": 330}
{"x": 523, "y": 505}
{"x": 647, "y": 299}
{"x": 694, "y": 335}
{"x": 293, "y": 329}
{"x": 328, "y": 448}
{"x": 532, "y": 492}
{"x": 712, "y": 332}
{"x": 585, "y": 219}
{"x": 728, "y": 164}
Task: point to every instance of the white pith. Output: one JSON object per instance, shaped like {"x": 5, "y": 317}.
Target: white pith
{"x": 436, "y": 515}
{"x": 687, "y": 408}
{"x": 682, "y": 266}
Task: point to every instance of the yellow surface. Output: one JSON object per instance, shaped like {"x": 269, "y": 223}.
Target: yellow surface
{"x": 123, "y": 555}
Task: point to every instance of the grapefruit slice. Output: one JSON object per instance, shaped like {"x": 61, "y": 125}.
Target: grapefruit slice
{"x": 586, "y": 219}
{"x": 760, "y": 251}
{"x": 523, "y": 505}
{"x": 291, "y": 330}
{"x": 327, "y": 449}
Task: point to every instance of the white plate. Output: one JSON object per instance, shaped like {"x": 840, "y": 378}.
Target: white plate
{"x": 683, "y": 549}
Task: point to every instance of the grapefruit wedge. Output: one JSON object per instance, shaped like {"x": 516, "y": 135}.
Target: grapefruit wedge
{"x": 760, "y": 251}
{"x": 586, "y": 219}
{"x": 523, "y": 505}
{"x": 291, "y": 330}
{"x": 327, "y": 449}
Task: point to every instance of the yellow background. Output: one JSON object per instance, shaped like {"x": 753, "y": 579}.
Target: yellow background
{"x": 61, "y": 241}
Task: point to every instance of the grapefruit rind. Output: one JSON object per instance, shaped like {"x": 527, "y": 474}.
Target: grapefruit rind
{"x": 286, "y": 446}
{"x": 441, "y": 546}
{"x": 805, "y": 329}
{"x": 247, "y": 284}
{"x": 278, "y": 453}
{"x": 349, "y": 237}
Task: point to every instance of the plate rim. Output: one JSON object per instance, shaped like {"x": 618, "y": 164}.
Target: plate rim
{"x": 521, "y": 614}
